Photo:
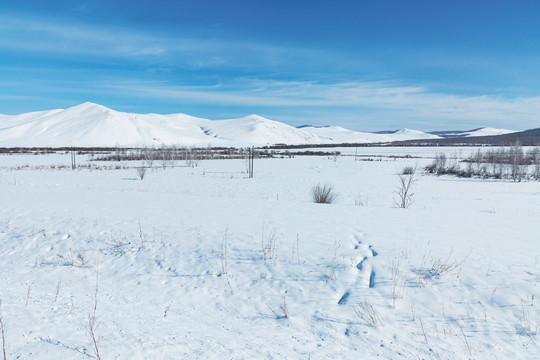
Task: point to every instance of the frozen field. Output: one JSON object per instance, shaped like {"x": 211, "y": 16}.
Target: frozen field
{"x": 203, "y": 262}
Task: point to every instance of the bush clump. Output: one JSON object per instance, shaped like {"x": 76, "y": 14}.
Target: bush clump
{"x": 323, "y": 194}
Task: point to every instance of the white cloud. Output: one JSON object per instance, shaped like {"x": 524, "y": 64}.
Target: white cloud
{"x": 300, "y": 101}
{"x": 404, "y": 102}
{"x": 43, "y": 37}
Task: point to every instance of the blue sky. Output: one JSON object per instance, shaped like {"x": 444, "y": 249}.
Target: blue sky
{"x": 364, "y": 65}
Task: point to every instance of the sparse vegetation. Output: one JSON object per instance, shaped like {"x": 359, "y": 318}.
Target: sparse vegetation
{"x": 269, "y": 242}
{"x": 283, "y": 309}
{"x": 502, "y": 163}
{"x": 404, "y": 191}
{"x": 141, "y": 171}
{"x": 408, "y": 170}
{"x": 367, "y": 313}
{"x": 323, "y": 194}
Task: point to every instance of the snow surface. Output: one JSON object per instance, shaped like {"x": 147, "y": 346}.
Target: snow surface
{"x": 178, "y": 263}
{"x": 91, "y": 124}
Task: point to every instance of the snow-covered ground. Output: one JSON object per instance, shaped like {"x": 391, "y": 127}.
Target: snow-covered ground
{"x": 203, "y": 262}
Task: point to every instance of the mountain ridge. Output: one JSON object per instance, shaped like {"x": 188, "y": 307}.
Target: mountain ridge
{"x": 90, "y": 124}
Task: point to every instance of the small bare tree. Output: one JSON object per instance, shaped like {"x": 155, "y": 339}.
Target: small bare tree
{"x": 148, "y": 156}
{"x": 404, "y": 191}
{"x": 536, "y": 162}
{"x": 519, "y": 170}
{"x": 141, "y": 171}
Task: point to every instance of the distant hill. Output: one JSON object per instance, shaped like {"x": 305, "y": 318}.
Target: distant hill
{"x": 527, "y": 138}
{"x": 93, "y": 125}
{"x": 484, "y": 131}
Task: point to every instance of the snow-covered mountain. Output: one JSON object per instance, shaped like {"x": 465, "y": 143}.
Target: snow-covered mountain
{"x": 337, "y": 134}
{"x": 91, "y": 124}
{"x": 484, "y": 131}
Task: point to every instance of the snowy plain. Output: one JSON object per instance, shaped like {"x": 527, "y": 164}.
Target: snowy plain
{"x": 204, "y": 262}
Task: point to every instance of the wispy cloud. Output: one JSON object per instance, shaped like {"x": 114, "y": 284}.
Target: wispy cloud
{"x": 379, "y": 99}
{"x": 320, "y": 95}
{"x": 38, "y": 36}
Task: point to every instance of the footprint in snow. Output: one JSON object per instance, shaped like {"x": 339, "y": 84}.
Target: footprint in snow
{"x": 344, "y": 298}
{"x": 372, "y": 279}
{"x": 360, "y": 265}
{"x": 357, "y": 240}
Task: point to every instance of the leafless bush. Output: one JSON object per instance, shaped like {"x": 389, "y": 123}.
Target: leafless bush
{"x": 323, "y": 194}
{"x": 518, "y": 171}
{"x": 398, "y": 282}
{"x": 367, "y": 313}
{"x": 404, "y": 191}
{"x": 92, "y": 325}
{"x": 224, "y": 252}
{"x": 70, "y": 260}
{"x": 438, "y": 165}
{"x": 141, "y": 171}
{"x": 192, "y": 158}
{"x": 269, "y": 243}
{"x": 434, "y": 267}
{"x": 408, "y": 170}
{"x": 359, "y": 200}
{"x": 146, "y": 154}
{"x": 534, "y": 154}
{"x": 283, "y": 309}
{"x": 528, "y": 325}
{"x": 502, "y": 163}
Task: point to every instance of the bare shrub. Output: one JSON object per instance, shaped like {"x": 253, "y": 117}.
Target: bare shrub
{"x": 404, "y": 191}
{"x": 141, "y": 171}
{"x": 70, "y": 260}
{"x": 224, "y": 252}
{"x": 503, "y": 163}
{"x": 92, "y": 325}
{"x": 435, "y": 267}
{"x": 518, "y": 171}
{"x": 367, "y": 313}
{"x": 359, "y": 200}
{"x": 438, "y": 165}
{"x": 192, "y": 158}
{"x": 323, "y": 194}
{"x": 528, "y": 325}
{"x": 536, "y": 161}
{"x": 146, "y": 154}
{"x": 283, "y": 309}
{"x": 269, "y": 243}
{"x": 398, "y": 282}
{"x": 408, "y": 170}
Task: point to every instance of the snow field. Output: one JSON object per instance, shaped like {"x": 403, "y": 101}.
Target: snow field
{"x": 205, "y": 263}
